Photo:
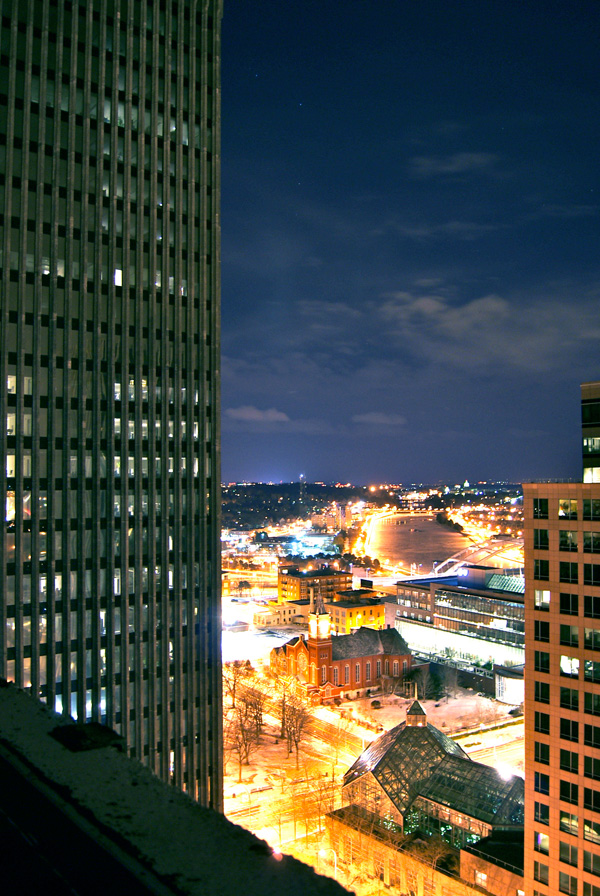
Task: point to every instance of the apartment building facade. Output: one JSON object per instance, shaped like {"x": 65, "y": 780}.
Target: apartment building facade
{"x": 562, "y": 681}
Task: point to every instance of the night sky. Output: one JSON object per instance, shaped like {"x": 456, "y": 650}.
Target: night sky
{"x": 410, "y": 238}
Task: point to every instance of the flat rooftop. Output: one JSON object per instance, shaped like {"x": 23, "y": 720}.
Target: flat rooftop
{"x": 79, "y": 808}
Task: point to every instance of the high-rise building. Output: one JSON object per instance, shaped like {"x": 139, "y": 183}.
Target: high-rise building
{"x": 590, "y": 423}
{"x": 109, "y": 371}
{"x": 562, "y": 681}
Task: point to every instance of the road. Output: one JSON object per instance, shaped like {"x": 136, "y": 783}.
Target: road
{"x": 500, "y": 747}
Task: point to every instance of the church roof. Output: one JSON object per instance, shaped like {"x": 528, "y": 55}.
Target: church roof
{"x": 369, "y": 642}
{"x": 415, "y": 709}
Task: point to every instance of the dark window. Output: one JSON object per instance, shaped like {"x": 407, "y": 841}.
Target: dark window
{"x": 590, "y": 889}
{"x": 569, "y": 730}
{"x": 591, "y": 735}
{"x": 540, "y": 509}
{"x": 540, "y": 872}
{"x": 568, "y": 853}
{"x": 541, "y": 783}
{"x": 569, "y": 604}
{"x": 541, "y": 661}
{"x": 590, "y": 412}
{"x": 540, "y": 539}
{"x": 541, "y": 813}
{"x": 591, "y": 509}
{"x": 567, "y": 540}
{"x": 569, "y": 635}
{"x": 591, "y": 862}
{"x": 569, "y": 793}
{"x": 569, "y": 762}
{"x": 591, "y": 542}
{"x": 591, "y": 767}
{"x": 568, "y": 572}
{"x": 591, "y": 799}
{"x": 591, "y": 639}
{"x": 541, "y": 570}
{"x": 542, "y": 692}
{"x": 569, "y": 698}
{"x": 542, "y": 722}
{"x": 567, "y": 883}
{"x": 591, "y": 606}
{"x": 541, "y": 630}
{"x": 542, "y": 752}
{"x": 591, "y": 574}
{"x": 592, "y": 704}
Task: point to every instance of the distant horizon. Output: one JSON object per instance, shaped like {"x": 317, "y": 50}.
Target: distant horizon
{"x": 381, "y": 485}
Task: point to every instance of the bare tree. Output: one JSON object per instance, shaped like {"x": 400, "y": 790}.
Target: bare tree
{"x": 435, "y": 852}
{"x": 450, "y": 674}
{"x": 255, "y": 701}
{"x": 233, "y": 674}
{"x": 240, "y": 733}
{"x": 422, "y": 677}
{"x": 297, "y": 718}
{"x": 322, "y": 790}
{"x": 280, "y": 691}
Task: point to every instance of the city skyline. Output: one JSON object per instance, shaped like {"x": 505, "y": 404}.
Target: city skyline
{"x": 410, "y": 222}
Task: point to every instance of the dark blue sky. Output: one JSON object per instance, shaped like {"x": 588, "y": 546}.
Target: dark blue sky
{"x": 410, "y": 238}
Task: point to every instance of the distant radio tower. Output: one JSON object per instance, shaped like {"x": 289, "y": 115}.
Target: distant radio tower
{"x": 302, "y": 484}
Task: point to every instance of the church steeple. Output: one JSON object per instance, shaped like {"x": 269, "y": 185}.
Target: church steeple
{"x": 319, "y": 624}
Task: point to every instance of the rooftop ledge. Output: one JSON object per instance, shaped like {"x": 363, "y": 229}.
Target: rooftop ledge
{"x": 159, "y": 836}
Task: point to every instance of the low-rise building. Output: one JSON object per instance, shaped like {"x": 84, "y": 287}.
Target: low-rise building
{"x": 272, "y": 615}
{"x": 421, "y": 816}
{"x": 413, "y": 865}
{"x": 417, "y": 778}
{"x": 297, "y": 584}
{"x": 349, "y": 614}
{"x": 477, "y": 614}
{"x": 326, "y": 666}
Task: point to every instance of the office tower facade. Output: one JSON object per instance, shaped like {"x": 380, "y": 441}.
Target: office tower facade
{"x": 562, "y": 685}
{"x": 109, "y": 371}
{"x": 590, "y": 424}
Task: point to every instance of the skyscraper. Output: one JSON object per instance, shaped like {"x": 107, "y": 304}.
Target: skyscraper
{"x": 590, "y": 424}
{"x": 562, "y": 679}
{"x": 109, "y": 371}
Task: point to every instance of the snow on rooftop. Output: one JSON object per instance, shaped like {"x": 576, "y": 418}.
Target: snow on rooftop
{"x": 152, "y": 826}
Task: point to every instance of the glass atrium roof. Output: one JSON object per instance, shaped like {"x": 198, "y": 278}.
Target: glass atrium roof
{"x": 476, "y": 790}
{"x": 402, "y": 758}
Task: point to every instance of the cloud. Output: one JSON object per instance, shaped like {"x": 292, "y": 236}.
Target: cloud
{"x": 564, "y": 210}
{"x": 458, "y": 163}
{"x": 250, "y": 419}
{"x": 462, "y": 230}
{"x": 377, "y": 418}
{"x": 491, "y": 333}
{"x": 250, "y": 414}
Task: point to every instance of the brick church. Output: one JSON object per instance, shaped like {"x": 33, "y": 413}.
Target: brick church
{"x": 326, "y": 666}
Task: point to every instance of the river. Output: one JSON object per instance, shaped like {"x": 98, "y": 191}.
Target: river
{"x": 414, "y": 539}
